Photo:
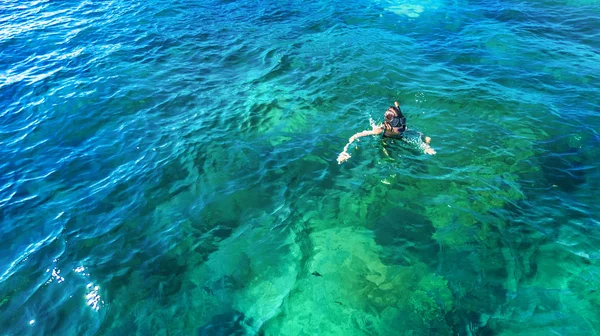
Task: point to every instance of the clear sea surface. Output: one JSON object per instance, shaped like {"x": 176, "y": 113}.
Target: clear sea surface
{"x": 169, "y": 168}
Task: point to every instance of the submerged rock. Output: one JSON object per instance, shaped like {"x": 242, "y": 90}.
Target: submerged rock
{"x": 231, "y": 323}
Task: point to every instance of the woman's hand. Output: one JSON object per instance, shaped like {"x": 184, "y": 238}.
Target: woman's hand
{"x": 343, "y": 157}
{"x": 429, "y": 151}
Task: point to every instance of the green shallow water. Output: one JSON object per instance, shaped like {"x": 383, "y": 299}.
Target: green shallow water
{"x": 170, "y": 168}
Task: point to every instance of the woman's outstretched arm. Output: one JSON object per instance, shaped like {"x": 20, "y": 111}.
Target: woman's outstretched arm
{"x": 344, "y": 154}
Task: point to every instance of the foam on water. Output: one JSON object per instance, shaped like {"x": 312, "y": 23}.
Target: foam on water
{"x": 411, "y": 9}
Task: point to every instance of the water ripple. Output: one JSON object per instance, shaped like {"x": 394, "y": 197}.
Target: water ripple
{"x": 176, "y": 161}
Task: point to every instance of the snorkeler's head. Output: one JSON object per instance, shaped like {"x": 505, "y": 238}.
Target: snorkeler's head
{"x": 391, "y": 113}
{"x": 394, "y": 117}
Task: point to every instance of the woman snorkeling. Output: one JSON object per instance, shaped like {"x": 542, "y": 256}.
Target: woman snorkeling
{"x": 394, "y": 126}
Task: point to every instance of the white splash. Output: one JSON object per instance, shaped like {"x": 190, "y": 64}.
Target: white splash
{"x": 410, "y": 8}
{"x": 412, "y": 11}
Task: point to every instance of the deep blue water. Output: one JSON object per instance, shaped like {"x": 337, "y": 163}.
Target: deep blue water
{"x": 169, "y": 168}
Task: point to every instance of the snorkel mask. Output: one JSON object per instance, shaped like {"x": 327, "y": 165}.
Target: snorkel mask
{"x": 398, "y": 122}
{"x": 391, "y": 116}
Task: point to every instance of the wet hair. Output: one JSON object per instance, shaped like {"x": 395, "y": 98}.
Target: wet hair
{"x": 391, "y": 112}
{"x": 389, "y": 116}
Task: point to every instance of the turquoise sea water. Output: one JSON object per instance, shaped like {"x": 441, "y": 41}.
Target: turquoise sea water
{"x": 169, "y": 168}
